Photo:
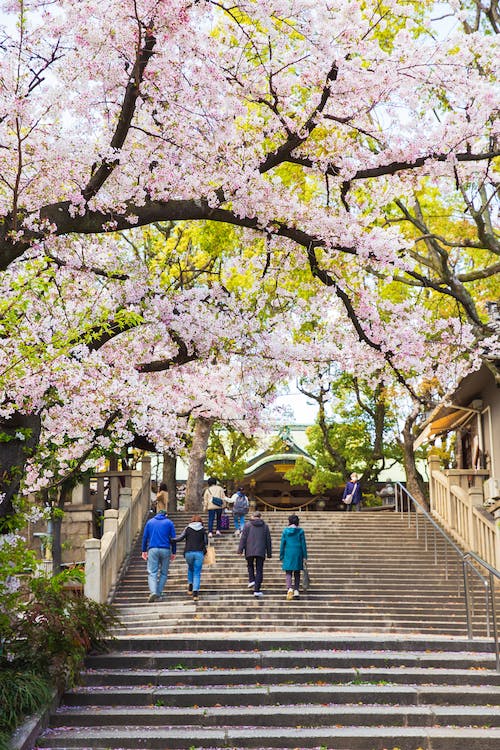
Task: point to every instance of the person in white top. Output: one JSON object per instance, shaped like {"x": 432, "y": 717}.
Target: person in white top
{"x": 214, "y": 501}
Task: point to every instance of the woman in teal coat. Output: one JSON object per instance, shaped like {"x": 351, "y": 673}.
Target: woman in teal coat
{"x": 293, "y": 552}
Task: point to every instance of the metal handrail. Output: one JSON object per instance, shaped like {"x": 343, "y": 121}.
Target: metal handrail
{"x": 467, "y": 559}
{"x": 492, "y": 573}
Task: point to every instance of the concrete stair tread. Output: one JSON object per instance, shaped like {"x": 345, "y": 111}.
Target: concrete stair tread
{"x": 329, "y": 654}
{"x": 476, "y": 738}
{"x": 220, "y": 712}
{"x": 364, "y": 692}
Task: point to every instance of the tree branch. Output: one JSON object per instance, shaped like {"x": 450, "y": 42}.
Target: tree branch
{"x": 327, "y": 280}
{"x": 127, "y": 112}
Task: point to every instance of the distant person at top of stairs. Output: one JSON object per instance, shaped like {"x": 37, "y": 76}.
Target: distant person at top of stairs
{"x": 194, "y": 551}
{"x": 158, "y": 549}
{"x": 162, "y": 498}
{"x": 255, "y": 543}
{"x": 293, "y": 552}
{"x": 352, "y": 490}
{"x": 214, "y": 500}
{"x": 240, "y": 504}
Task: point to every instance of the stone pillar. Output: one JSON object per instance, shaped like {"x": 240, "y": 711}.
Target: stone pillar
{"x": 78, "y": 495}
{"x": 136, "y": 482}
{"x": 476, "y": 500}
{"x": 496, "y": 516}
{"x": 126, "y": 504}
{"x": 110, "y": 521}
{"x": 146, "y": 486}
{"x": 125, "y": 497}
{"x": 92, "y": 588}
{"x": 434, "y": 465}
{"x": 146, "y": 469}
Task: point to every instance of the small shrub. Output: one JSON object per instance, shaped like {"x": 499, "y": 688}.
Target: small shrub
{"x": 58, "y": 629}
{"x": 21, "y": 694}
{"x": 46, "y": 631}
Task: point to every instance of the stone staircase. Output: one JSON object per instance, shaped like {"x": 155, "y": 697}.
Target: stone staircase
{"x": 372, "y": 657}
{"x": 369, "y": 573}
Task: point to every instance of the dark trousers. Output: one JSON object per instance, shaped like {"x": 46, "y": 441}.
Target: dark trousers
{"x": 255, "y": 571}
{"x": 353, "y": 506}
{"x": 212, "y": 516}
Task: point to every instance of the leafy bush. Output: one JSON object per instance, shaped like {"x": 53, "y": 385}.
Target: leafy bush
{"x": 371, "y": 501}
{"x": 57, "y": 629}
{"x": 21, "y": 694}
{"x": 45, "y": 632}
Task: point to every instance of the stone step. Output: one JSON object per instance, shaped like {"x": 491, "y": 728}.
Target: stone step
{"x": 162, "y": 675}
{"x": 313, "y": 658}
{"x": 176, "y": 627}
{"x": 274, "y": 627}
{"x": 309, "y": 716}
{"x": 320, "y": 617}
{"x": 277, "y": 601}
{"x": 271, "y": 695}
{"x": 263, "y": 608}
{"x": 345, "y": 738}
{"x": 273, "y": 601}
{"x": 284, "y": 643}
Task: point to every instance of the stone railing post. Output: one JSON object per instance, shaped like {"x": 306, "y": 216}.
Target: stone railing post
{"x": 434, "y": 466}
{"x": 125, "y": 497}
{"x": 110, "y": 531}
{"x": 110, "y": 521}
{"x": 476, "y": 500}
{"x": 146, "y": 469}
{"x": 126, "y": 504}
{"x": 146, "y": 487}
{"x": 93, "y": 588}
{"x": 496, "y": 516}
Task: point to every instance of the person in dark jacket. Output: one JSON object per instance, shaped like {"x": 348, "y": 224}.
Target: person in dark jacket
{"x": 158, "y": 549}
{"x": 352, "y": 490}
{"x": 195, "y": 550}
{"x": 255, "y": 543}
{"x": 293, "y": 552}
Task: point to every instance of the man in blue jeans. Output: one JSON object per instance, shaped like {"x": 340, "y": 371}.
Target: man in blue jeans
{"x": 158, "y": 548}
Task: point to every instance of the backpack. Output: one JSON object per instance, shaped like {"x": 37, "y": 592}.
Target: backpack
{"x": 241, "y": 503}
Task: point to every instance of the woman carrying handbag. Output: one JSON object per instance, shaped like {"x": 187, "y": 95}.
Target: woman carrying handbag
{"x": 352, "y": 496}
{"x": 195, "y": 550}
{"x": 293, "y": 554}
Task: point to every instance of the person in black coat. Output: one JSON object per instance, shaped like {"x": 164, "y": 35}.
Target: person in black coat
{"x": 194, "y": 552}
{"x": 255, "y": 543}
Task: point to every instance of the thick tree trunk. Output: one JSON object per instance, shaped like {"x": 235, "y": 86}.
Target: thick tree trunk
{"x": 197, "y": 456}
{"x": 168, "y": 476}
{"x": 19, "y": 438}
{"x": 414, "y": 480}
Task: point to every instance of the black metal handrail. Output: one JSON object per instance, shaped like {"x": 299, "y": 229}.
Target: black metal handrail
{"x": 469, "y": 561}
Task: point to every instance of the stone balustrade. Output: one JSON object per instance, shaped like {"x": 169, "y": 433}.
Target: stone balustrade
{"x": 457, "y": 502}
{"x": 104, "y": 557}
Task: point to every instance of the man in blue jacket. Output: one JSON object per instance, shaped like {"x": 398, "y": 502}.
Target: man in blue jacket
{"x": 159, "y": 549}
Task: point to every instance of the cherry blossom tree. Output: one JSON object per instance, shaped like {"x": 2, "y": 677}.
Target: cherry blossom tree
{"x": 311, "y": 125}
